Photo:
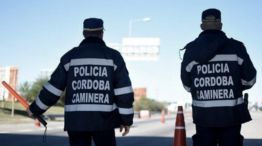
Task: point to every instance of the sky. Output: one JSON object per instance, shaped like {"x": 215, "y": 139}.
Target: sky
{"x": 35, "y": 34}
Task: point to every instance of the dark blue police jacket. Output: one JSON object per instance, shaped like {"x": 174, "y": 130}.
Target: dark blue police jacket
{"x": 216, "y": 70}
{"x": 99, "y": 95}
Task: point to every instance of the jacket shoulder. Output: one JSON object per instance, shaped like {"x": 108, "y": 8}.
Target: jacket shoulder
{"x": 189, "y": 45}
{"x": 68, "y": 54}
{"x": 238, "y": 46}
{"x": 235, "y": 42}
{"x": 188, "y": 51}
{"x": 189, "y": 48}
{"x": 113, "y": 51}
{"x": 115, "y": 54}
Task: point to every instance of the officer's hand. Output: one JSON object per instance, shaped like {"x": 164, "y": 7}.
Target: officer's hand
{"x": 126, "y": 129}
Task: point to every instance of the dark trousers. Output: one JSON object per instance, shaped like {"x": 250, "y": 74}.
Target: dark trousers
{"x": 222, "y": 136}
{"x": 100, "y": 138}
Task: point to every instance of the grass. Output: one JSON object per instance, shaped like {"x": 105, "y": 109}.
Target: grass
{"x": 20, "y": 115}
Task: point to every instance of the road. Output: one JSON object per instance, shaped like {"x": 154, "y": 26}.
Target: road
{"x": 145, "y": 132}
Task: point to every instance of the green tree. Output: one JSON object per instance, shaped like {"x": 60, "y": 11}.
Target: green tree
{"x": 30, "y": 91}
{"x": 37, "y": 86}
{"x": 148, "y": 104}
{"x": 25, "y": 90}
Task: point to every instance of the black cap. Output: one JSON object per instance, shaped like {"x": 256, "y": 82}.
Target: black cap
{"x": 93, "y": 24}
{"x": 206, "y": 15}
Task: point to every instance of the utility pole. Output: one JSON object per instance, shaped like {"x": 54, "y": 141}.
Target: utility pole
{"x": 13, "y": 107}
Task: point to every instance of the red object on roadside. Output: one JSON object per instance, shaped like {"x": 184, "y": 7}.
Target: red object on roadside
{"x": 162, "y": 118}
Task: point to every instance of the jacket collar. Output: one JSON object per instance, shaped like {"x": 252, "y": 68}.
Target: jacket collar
{"x": 95, "y": 40}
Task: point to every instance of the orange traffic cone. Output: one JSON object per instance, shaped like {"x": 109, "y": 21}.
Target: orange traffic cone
{"x": 180, "y": 130}
{"x": 37, "y": 123}
{"x": 162, "y": 118}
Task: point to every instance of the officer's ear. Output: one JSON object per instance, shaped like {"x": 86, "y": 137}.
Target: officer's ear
{"x": 84, "y": 34}
{"x": 102, "y": 34}
{"x": 220, "y": 26}
{"x": 202, "y": 26}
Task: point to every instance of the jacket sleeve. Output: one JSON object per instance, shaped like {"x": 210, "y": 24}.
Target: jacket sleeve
{"x": 123, "y": 91}
{"x": 248, "y": 71}
{"x": 186, "y": 67}
{"x": 50, "y": 92}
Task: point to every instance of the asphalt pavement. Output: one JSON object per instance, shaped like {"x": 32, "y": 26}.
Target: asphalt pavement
{"x": 145, "y": 132}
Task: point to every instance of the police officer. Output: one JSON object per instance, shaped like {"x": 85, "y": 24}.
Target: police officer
{"x": 216, "y": 70}
{"x": 99, "y": 95}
